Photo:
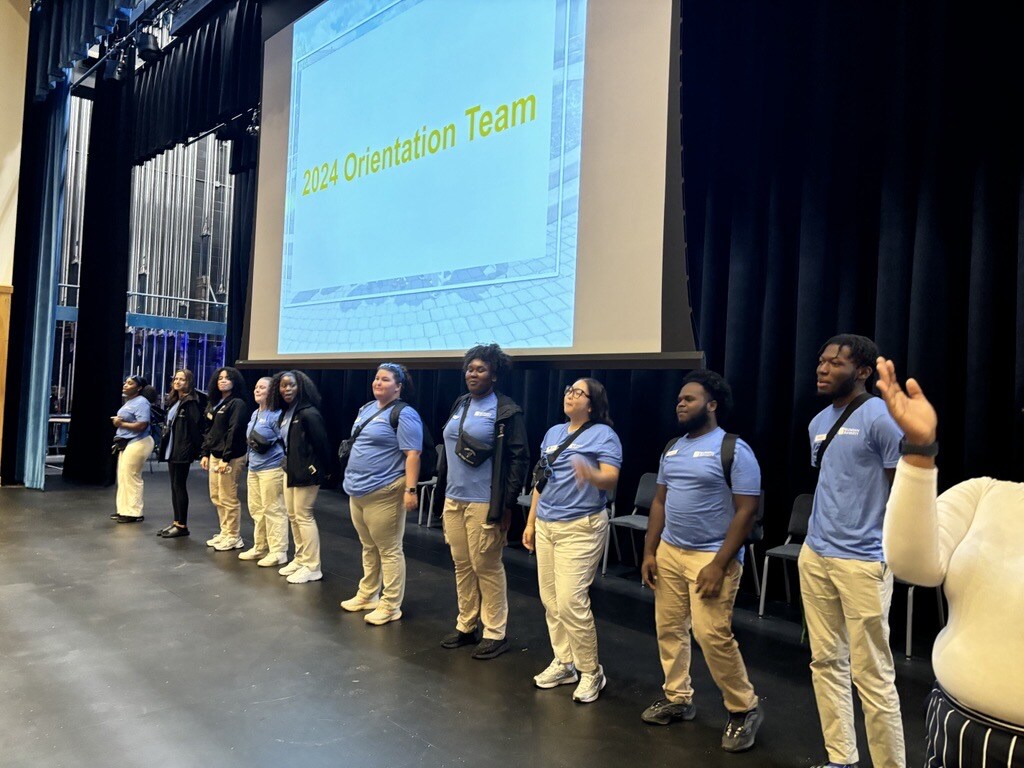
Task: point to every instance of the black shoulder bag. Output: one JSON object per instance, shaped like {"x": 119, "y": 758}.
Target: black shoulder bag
{"x": 470, "y": 450}
{"x": 346, "y": 445}
{"x": 542, "y": 472}
{"x": 856, "y": 403}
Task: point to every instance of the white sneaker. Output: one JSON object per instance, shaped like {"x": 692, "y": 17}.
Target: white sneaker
{"x": 229, "y": 543}
{"x": 274, "y": 558}
{"x": 304, "y": 575}
{"x": 359, "y": 604}
{"x": 590, "y": 686}
{"x": 251, "y": 554}
{"x": 289, "y": 569}
{"x": 556, "y": 674}
{"x": 215, "y": 540}
{"x": 381, "y": 615}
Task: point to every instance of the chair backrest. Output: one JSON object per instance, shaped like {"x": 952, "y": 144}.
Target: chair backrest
{"x": 645, "y": 493}
{"x": 801, "y": 514}
{"x": 440, "y": 453}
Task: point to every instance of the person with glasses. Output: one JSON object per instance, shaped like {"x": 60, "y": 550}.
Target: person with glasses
{"x": 693, "y": 558}
{"x": 579, "y": 464}
{"x": 480, "y": 476}
{"x": 380, "y": 480}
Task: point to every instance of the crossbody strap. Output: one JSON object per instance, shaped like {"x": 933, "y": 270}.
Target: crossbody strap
{"x": 567, "y": 442}
{"x": 359, "y": 430}
{"x": 856, "y": 403}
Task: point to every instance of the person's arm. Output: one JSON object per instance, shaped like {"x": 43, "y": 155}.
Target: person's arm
{"x": 238, "y": 420}
{"x": 655, "y": 525}
{"x": 530, "y": 531}
{"x": 131, "y": 426}
{"x": 518, "y": 461}
{"x": 412, "y": 477}
{"x": 316, "y": 431}
{"x": 711, "y": 576}
{"x": 604, "y": 477}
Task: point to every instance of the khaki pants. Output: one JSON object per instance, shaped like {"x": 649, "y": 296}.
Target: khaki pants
{"x": 299, "y": 503}
{"x": 266, "y": 506}
{"x": 130, "y": 462}
{"x": 677, "y": 607}
{"x": 379, "y": 519}
{"x": 479, "y": 571}
{"x": 846, "y": 606}
{"x": 224, "y": 495}
{"x": 568, "y": 553}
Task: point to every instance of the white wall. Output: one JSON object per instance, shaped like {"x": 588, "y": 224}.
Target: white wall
{"x": 13, "y": 51}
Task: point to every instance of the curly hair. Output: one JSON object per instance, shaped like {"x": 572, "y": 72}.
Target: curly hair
{"x": 492, "y": 355}
{"x": 306, "y": 392}
{"x": 237, "y": 385}
{"x": 716, "y": 386}
{"x": 863, "y": 351}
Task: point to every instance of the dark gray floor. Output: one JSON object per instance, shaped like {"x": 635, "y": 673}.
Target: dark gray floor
{"x": 120, "y": 648}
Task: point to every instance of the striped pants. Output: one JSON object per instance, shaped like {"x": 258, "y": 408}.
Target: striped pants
{"x": 960, "y": 738}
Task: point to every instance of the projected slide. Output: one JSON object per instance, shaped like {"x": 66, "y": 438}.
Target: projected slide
{"x": 433, "y": 175}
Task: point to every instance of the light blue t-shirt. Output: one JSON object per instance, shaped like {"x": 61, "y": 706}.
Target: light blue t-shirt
{"x": 264, "y": 423}
{"x": 171, "y": 414}
{"x": 849, "y": 502}
{"x": 561, "y": 498}
{"x": 698, "y": 506}
{"x": 377, "y": 456}
{"x": 135, "y": 410}
{"x": 286, "y": 422}
{"x": 466, "y": 483}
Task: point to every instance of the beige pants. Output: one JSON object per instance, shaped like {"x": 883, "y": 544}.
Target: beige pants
{"x": 299, "y": 503}
{"x": 677, "y": 607}
{"x": 479, "y": 571}
{"x": 846, "y": 606}
{"x": 224, "y": 495}
{"x": 379, "y": 519}
{"x": 568, "y": 553}
{"x": 266, "y": 506}
{"x": 130, "y": 462}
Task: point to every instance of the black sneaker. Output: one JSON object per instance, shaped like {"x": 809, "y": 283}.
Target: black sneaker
{"x": 740, "y": 730}
{"x": 663, "y": 712}
{"x": 458, "y": 639}
{"x": 488, "y": 649}
{"x": 129, "y": 519}
{"x": 114, "y": 515}
{"x": 165, "y": 531}
{"x": 175, "y": 532}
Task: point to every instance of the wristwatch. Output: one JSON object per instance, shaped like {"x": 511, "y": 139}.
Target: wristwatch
{"x": 910, "y": 449}
{"x": 410, "y": 490}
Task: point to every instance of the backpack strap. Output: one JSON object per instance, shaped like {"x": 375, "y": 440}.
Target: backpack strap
{"x": 728, "y": 454}
{"x": 856, "y": 403}
{"x": 396, "y": 412}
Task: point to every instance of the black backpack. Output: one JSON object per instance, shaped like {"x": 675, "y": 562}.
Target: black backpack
{"x": 428, "y": 451}
{"x": 728, "y": 455}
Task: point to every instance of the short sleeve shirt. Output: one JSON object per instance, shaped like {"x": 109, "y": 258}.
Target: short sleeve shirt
{"x": 698, "y": 504}
{"x": 265, "y": 423}
{"x": 466, "y": 483}
{"x": 849, "y": 501}
{"x": 562, "y": 499}
{"x": 133, "y": 411}
{"x": 377, "y": 458}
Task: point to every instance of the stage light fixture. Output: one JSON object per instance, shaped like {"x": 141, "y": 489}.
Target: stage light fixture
{"x": 148, "y": 47}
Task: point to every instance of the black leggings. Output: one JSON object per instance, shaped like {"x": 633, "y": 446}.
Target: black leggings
{"x": 960, "y": 738}
{"x": 178, "y": 470}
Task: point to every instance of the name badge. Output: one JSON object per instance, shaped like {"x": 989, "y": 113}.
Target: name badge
{"x": 703, "y": 454}
{"x": 673, "y": 452}
{"x": 550, "y": 449}
{"x": 819, "y": 438}
{"x": 484, "y": 414}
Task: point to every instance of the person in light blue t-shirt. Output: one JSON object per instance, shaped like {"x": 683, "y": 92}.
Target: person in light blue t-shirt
{"x": 133, "y": 445}
{"x": 380, "y": 480}
{"x": 265, "y": 482}
{"x": 568, "y": 523}
{"x": 693, "y": 559}
{"x": 845, "y": 586}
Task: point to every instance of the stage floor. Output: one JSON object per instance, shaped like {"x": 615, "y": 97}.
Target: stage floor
{"x": 120, "y": 648}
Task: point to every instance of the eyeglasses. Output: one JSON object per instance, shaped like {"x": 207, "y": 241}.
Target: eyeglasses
{"x": 575, "y": 392}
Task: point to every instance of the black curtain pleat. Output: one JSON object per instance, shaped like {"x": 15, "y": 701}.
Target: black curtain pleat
{"x": 103, "y": 278}
{"x": 857, "y": 168}
{"x": 63, "y": 33}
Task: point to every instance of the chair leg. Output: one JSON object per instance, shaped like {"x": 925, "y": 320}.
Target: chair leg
{"x": 910, "y": 621}
{"x": 632, "y": 543}
{"x": 753, "y": 569}
{"x": 618, "y": 547}
{"x": 942, "y": 606}
{"x": 423, "y": 497}
{"x": 785, "y": 575}
{"x": 764, "y": 587}
{"x": 607, "y": 545}
{"x": 430, "y": 508}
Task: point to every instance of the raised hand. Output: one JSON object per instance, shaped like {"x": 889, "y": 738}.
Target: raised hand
{"x": 909, "y": 408}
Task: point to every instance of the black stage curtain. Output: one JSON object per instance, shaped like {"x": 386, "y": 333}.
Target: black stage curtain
{"x": 62, "y": 33}
{"x": 857, "y": 168}
{"x": 202, "y": 80}
{"x": 103, "y": 295}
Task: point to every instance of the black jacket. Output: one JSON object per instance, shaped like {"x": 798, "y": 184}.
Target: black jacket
{"x": 226, "y": 422}
{"x": 511, "y": 457}
{"x": 307, "y": 453}
{"x": 187, "y": 431}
